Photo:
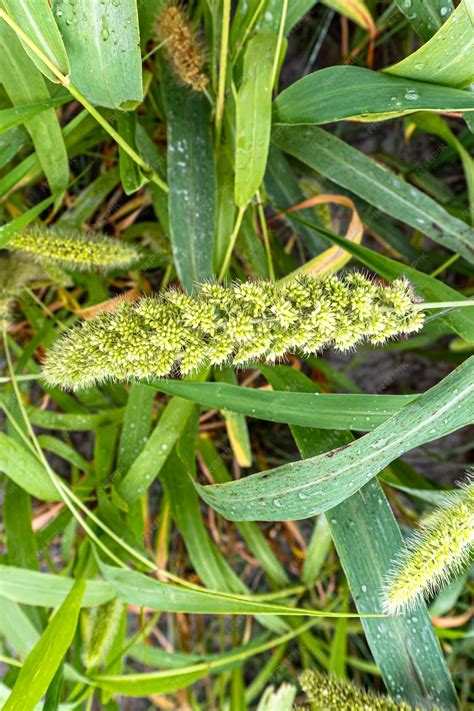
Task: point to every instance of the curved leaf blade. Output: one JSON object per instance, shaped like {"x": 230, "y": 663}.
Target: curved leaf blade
{"x": 378, "y": 186}
{"x": 426, "y": 16}
{"x": 448, "y": 57}
{"x": 37, "y": 22}
{"x": 361, "y": 413}
{"x": 191, "y": 180}
{"x": 253, "y": 116}
{"x": 345, "y": 92}
{"x": 44, "y": 659}
{"x": 301, "y": 489}
{"x": 103, "y": 45}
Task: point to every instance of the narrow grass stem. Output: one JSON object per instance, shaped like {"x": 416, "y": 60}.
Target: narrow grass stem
{"x": 281, "y": 29}
{"x": 443, "y": 304}
{"x": 66, "y": 82}
{"x": 232, "y": 241}
{"x": 442, "y": 267}
{"x": 222, "y": 69}
{"x": 21, "y": 378}
{"x": 266, "y": 237}
{"x": 248, "y": 30}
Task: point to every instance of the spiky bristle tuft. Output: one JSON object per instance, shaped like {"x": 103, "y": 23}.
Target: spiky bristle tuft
{"x": 434, "y": 554}
{"x": 73, "y": 249}
{"x": 182, "y": 46}
{"x": 330, "y": 694}
{"x": 234, "y": 324}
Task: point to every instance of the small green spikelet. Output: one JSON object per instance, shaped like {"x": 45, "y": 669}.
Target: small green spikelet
{"x": 100, "y": 630}
{"x": 435, "y": 553}
{"x": 15, "y": 274}
{"x": 74, "y": 249}
{"x": 329, "y": 694}
{"x": 231, "y": 325}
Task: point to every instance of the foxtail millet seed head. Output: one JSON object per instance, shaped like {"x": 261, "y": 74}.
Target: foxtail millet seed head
{"x": 231, "y": 325}
{"x": 331, "y": 694}
{"x": 182, "y": 46}
{"x": 434, "y": 554}
{"x": 73, "y": 249}
{"x": 100, "y": 629}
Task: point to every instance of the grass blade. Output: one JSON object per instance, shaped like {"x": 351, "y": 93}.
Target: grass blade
{"x": 253, "y": 116}
{"x": 362, "y": 413}
{"x": 426, "y": 16}
{"x": 351, "y": 169}
{"x": 44, "y": 659}
{"x": 345, "y": 92}
{"x": 138, "y": 589}
{"x": 29, "y": 587}
{"x": 25, "y": 85}
{"x": 103, "y": 46}
{"x": 448, "y": 57}
{"x": 9, "y": 118}
{"x": 367, "y": 537}
{"x": 302, "y": 489}
{"x": 37, "y": 22}
{"x": 191, "y": 179}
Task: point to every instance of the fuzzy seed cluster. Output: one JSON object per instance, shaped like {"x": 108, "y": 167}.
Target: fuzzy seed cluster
{"x": 230, "y": 325}
{"x": 15, "y": 274}
{"x": 74, "y": 249}
{"x": 434, "y": 554}
{"x": 101, "y": 627}
{"x": 182, "y": 47}
{"x": 332, "y": 694}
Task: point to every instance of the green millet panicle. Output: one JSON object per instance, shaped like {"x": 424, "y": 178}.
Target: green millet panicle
{"x": 329, "y": 694}
{"x": 74, "y": 249}
{"x": 434, "y": 554}
{"x": 15, "y": 274}
{"x": 236, "y": 324}
{"x": 100, "y": 630}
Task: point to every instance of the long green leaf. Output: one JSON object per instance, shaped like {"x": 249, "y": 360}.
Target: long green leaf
{"x": 362, "y": 413}
{"x": 36, "y": 20}
{"x": 44, "y": 659}
{"x": 405, "y": 647}
{"x": 425, "y": 16}
{"x": 253, "y": 116}
{"x": 20, "y": 114}
{"x": 46, "y": 590}
{"x": 367, "y": 537}
{"x": 297, "y": 9}
{"x": 448, "y": 57}
{"x": 191, "y": 179}
{"x": 351, "y": 169}
{"x": 25, "y": 470}
{"x": 345, "y": 92}
{"x": 301, "y": 489}
{"x": 25, "y": 85}
{"x": 138, "y": 589}
{"x": 103, "y": 45}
